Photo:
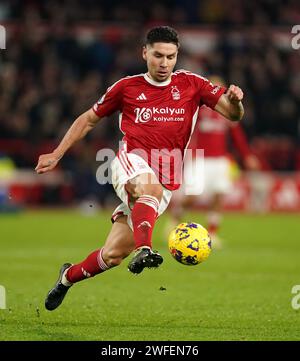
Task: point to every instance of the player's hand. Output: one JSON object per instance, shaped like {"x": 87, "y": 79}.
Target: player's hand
{"x": 252, "y": 163}
{"x": 46, "y": 163}
{"x": 235, "y": 94}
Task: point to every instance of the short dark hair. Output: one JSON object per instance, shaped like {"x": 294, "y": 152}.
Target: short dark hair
{"x": 162, "y": 34}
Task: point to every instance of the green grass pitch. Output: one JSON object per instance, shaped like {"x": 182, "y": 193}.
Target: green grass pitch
{"x": 242, "y": 292}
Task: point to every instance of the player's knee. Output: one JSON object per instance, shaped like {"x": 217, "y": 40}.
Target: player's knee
{"x": 154, "y": 191}
{"x": 145, "y": 184}
{"x": 158, "y": 193}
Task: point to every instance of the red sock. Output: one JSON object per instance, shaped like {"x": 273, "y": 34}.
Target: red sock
{"x": 91, "y": 266}
{"x": 143, "y": 216}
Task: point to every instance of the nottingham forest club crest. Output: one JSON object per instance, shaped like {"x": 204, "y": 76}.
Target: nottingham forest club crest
{"x": 175, "y": 93}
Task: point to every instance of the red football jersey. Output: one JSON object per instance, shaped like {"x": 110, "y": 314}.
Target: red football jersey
{"x": 158, "y": 118}
{"x": 211, "y": 133}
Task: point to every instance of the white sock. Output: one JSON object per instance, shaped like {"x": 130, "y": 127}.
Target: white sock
{"x": 64, "y": 280}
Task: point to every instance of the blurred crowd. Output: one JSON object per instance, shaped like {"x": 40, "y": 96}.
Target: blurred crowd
{"x": 229, "y": 12}
{"x": 61, "y": 56}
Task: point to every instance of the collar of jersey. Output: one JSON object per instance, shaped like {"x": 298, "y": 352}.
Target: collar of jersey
{"x": 156, "y": 83}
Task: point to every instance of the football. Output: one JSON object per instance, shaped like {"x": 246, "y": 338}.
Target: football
{"x": 189, "y": 243}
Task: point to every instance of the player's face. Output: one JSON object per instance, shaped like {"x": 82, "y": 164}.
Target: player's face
{"x": 161, "y": 59}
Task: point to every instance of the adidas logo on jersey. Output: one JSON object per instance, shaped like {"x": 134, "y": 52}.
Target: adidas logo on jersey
{"x": 141, "y": 97}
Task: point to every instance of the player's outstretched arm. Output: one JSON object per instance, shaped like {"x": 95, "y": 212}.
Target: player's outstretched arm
{"x": 81, "y": 126}
{"x": 230, "y": 104}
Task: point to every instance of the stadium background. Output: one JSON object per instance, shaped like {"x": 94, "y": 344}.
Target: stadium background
{"x": 60, "y": 57}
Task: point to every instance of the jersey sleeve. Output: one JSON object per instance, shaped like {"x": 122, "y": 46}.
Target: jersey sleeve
{"x": 209, "y": 93}
{"x": 111, "y": 101}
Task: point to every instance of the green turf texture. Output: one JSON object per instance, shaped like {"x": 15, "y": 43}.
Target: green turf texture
{"x": 242, "y": 292}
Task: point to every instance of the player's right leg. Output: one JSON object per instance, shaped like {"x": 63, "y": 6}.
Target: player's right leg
{"x": 119, "y": 244}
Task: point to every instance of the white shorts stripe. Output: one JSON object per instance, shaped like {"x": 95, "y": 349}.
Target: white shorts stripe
{"x": 125, "y": 164}
{"x": 128, "y": 167}
{"x": 124, "y": 154}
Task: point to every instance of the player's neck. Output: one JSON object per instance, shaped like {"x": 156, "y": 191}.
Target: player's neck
{"x": 152, "y": 81}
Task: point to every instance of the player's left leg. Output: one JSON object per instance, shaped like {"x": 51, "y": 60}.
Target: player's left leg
{"x": 119, "y": 244}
